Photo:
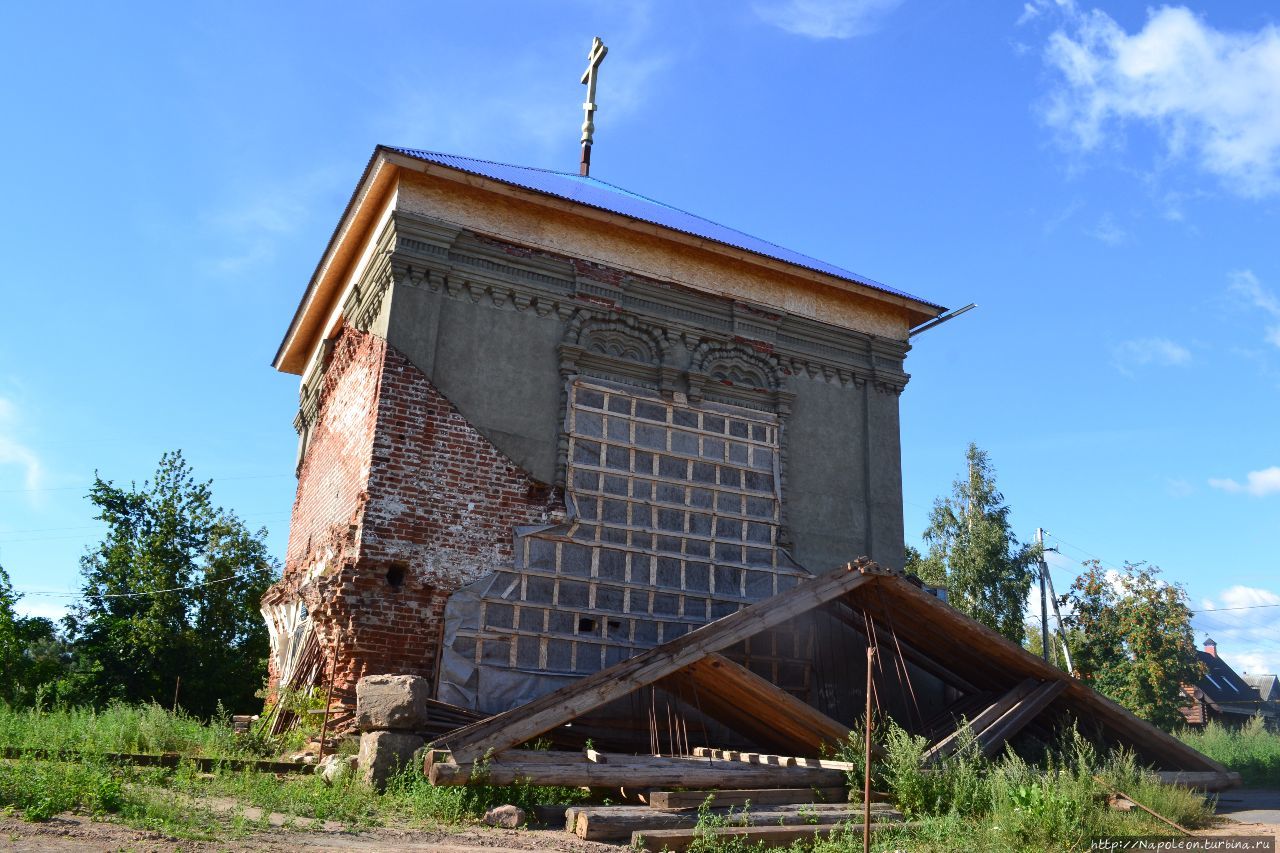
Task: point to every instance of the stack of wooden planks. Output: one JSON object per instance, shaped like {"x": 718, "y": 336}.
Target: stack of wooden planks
{"x": 670, "y": 820}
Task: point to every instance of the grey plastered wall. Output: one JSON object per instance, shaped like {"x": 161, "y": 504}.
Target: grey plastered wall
{"x": 826, "y": 474}
{"x": 486, "y": 323}
{"x": 499, "y": 368}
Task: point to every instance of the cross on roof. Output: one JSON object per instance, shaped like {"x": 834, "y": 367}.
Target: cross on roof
{"x": 594, "y": 58}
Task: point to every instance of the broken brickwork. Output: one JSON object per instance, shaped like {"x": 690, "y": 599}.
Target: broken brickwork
{"x": 400, "y": 501}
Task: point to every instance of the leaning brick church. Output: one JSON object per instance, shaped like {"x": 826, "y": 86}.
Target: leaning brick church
{"x": 545, "y": 423}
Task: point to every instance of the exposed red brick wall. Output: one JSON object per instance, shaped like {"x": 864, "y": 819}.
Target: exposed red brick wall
{"x": 402, "y": 501}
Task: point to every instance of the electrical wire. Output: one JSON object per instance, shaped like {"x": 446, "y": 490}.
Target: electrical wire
{"x": 62, "y": 594}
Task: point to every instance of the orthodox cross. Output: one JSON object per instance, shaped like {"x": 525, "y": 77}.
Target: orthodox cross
{"x": 594, "y": 58}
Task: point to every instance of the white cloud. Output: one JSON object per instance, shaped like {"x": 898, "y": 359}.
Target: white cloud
{"x": 1213, "y": 97}
{"x": 1109, "y": 231}
{"x": 251, "y": 228}
{"x": 1246, "y": 636}
{"x": 42, "y": 607}
{"x": 1247, "y": 287}
{"x": 1159, "y": 352}
{"x": 826, "y": 19}
{"x": 14, "y": 452}
{"x": 1178, "y": 487}
{"x": 1257, "y": 483}
{"x": 530, "y": 104}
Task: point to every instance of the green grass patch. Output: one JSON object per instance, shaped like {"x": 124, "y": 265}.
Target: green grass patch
{"x": 1251, "y": 751}
{"x": 147, "y": 729}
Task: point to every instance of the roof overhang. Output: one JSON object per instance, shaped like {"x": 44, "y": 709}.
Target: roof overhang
{"x": 315, "y": 313}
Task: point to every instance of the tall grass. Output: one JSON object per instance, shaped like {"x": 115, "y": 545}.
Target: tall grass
{"x": 1251, "y": 751}
{"x": 970, "y": 803}
{"x": 168, "y": 799}
{"x": 119, "y": 728}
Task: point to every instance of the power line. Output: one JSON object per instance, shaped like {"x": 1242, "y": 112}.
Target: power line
{"x": 62, "y": 594}
{"x": 211, "y": 479}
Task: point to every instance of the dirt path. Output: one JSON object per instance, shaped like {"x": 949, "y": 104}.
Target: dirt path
{"x": 1247, "y": 811}
{"x": 75, "y": 833}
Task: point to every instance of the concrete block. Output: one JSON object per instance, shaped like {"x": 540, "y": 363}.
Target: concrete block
{"x": 391, "y": 702}
{"x": 383, "y": 754}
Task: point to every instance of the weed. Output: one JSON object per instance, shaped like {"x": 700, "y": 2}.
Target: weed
{"x": 1252, "y": 750}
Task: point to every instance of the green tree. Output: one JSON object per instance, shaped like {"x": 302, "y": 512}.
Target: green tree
{"x": 32, "y": 654}
{"x": 10, "y": 639}
{"x": 973, "y": 553}
{"x": 171, "y": 592}
{"x": 1132, "y": 639}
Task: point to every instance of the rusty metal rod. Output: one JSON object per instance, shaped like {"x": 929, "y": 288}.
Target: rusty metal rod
{"x": 866, "y": 761}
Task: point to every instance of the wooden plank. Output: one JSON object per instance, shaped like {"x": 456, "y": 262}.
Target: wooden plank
{"x": 744, "y": 700}
{"x": 679, "y": 840}
{"x": 994, "y": 736}
{"x": 555, "y": 709}
{"x": 511, "y": 767}
{"x": 755, "y": 796}
{"x": 754, "y": 758}
{"x": 618, "y": 823}
{"x": 980, "y": 722}
{"x": 1200, "y": 781}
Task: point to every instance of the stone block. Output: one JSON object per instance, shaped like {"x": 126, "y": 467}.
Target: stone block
{"x": 507, "y": 817}
{"x": 391, "y": 702}
{"x": 383, "y": 754}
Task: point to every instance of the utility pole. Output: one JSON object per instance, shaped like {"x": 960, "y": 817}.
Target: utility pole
{"x": 1044, "y": 596}
{"x": 1048, "y": 592}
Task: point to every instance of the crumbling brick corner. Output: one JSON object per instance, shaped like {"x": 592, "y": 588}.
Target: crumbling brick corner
{"x": 400, "y": 501}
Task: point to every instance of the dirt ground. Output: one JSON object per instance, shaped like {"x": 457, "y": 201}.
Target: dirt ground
{"x": 1255, "y": 815}
{"x": 82, "y": 834}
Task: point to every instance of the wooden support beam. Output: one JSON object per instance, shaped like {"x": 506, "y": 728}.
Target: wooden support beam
{"x": 518, "y": 725}
{"x": 993, "y": 737}
{"x": 750, "y": 705}
{"x": 980, "y": 722}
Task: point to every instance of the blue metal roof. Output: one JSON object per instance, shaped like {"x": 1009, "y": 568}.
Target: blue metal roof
{"x": 596, "y": 193}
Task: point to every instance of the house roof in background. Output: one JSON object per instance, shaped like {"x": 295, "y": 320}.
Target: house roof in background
{"x": 1221, "y": 683}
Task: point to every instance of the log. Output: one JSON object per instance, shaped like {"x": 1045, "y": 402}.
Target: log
{"x": 739, "y": 798}
{"x": 631, "y": 772}
{"x": 528, "y": 721}
{"x": 679, "y": 840}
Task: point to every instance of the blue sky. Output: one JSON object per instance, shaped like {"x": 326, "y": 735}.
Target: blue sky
{"x": 1102, "y": 179}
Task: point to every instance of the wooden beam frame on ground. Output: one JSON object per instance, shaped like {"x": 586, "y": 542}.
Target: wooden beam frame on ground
{"x": 752, "y": 706}
{"x": 540, "y": 716}
{"x": 968, "y": 651}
